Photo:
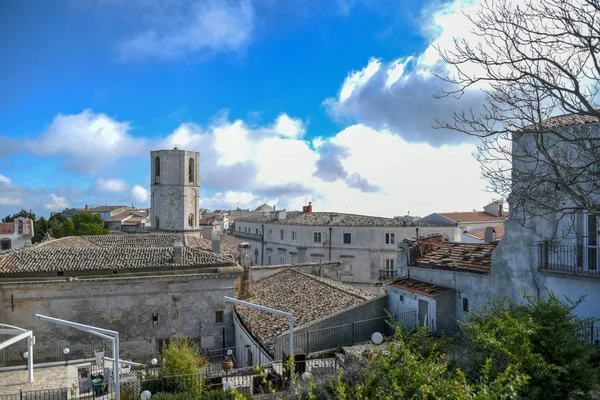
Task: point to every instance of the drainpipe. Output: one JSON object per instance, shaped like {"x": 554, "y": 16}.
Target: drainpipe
{"x": 330, "y": 238}
{"x": 262, "y": 242}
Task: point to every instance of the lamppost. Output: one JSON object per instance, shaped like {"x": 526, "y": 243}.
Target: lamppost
{"x": 66, "y": 352}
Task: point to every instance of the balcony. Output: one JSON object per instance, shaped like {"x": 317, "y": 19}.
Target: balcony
{"x": 569, "y": 259}
{"x": 388, "y": 274}
{"x": 248, "y": 235}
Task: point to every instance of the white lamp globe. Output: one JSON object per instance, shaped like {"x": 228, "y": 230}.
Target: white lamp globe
{"x": 154, "y": 361}
{"x": 66, "y": 351}
{"x": 26, "y": 354}
{"x": 227, "y": 385}
{"x": 305, "y": 376}
{"x": 377, "y": 338}
{"x": 145, "y": 395}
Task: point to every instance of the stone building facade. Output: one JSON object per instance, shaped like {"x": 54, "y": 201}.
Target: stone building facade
{"x": 365, "y": 245}
{"x": 148, "y": 287}
{"x": 175, "y": 190}
{"x": 16, "y": 234}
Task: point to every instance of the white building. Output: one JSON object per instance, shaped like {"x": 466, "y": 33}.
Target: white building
{"x": 558, "y": 251}
{"x": 366, "y": 245}
{"x": 175, "y": 190}
{"x": 493, "y": 214}
{"x": 16, "y": 234}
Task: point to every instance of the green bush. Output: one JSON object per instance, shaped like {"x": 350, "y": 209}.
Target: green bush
{"x": 208, "y": 395}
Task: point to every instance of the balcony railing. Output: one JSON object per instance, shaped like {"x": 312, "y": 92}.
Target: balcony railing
{"x": 248, "y": 235}
{"x": 388, "y": 273}
{"x": 575, "y": 259}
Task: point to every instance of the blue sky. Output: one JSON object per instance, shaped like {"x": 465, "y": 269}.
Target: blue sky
{"x": 325, "y": 100}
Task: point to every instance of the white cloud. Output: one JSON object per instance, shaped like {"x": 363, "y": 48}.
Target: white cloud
{"x": 289, "y": 127}
{"x": 140, "y": 194}
{"x": 87, "y": 141}
{"x": 183, "y": 28}
{"x": 357, "y": 79}
{"x": 4, "y": 179}
{"x": 111, "y": 185}
{"x": 56, "y": 203}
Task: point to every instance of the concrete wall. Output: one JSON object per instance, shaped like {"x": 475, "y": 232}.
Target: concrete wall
{"x": 173, "y": 197}
{"x": 363, "y": 258}
{"x": 185, "y": 304}
{"x": 476, "y": 288}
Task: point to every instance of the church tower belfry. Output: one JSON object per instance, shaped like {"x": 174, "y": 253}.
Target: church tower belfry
{"x": 174, "y": 190}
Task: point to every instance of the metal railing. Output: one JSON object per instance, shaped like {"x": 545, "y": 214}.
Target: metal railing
{"x": 575, "y": 259}
{"x": 342, "y": 335}
{"x": 388, "y": 273}
{"x": 43, "y": 394}
{"x": 12, "y": 356}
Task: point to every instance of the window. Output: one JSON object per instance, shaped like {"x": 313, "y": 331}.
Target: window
{"x": 218, "y": 317}
{"x": 156, "y": 170}
{"x": 389, "y": 264}
{"x": 191, "y": 170}
{"x": 390, "y": 238}
{"x": 20, "y": 228}
{"x": 256, "y": 256}
{"x": 293, "y": 235}
{"x": 281, "y": 234}
{"x": 347, "y": 238}
{"x": 5, "y": 244}
{"x": 282, "y": 258}
{"x": 269, "y": 259}
{"x": 157, "y": 222}
{"x": 591, "y": 255}
{"x": 317, "y": 237}
{"x": 257, "y": 231}
{"x": 270, "y": 233}
{"x": 465, "y": 304}
{"x": 239, "y": 228}
{"x": 191, "y": 220}
{"x": 402, "y": 298}
{"x": 347, "y": 268}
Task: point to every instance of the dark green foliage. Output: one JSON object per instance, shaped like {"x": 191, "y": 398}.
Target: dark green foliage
{"x": 539, "y": 338}
{"x": 22, "y": 213}
{"x": 40, "y": 227}
{"x": 86, "y": 223}
{"x": 60, "y": 226}
{"x": 209, "y": 395}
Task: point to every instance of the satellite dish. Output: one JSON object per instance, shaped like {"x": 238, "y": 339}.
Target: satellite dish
{"x": 377, "y": 338}
{"x": 145, "y": 395}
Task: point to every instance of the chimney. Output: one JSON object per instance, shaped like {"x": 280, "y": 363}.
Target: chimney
{"x": 87, "y": 207}
{"x": 216, "y": 244}
{"x": 177, "y": 253}
{"x": 501, "y": 210}
{"x": 245, "y": 253}
{"x": 308, "y": 208}
{"x": 489, "y": 235}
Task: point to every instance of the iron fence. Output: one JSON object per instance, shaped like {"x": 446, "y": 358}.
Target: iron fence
{"x": 342, "y": 335}
{"x": 575, "y": 259}
{"x": 15, "y": 355}
{"x": 45, "y": 394}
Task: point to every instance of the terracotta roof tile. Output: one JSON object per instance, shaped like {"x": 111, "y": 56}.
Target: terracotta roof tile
{"x": 308, "y": 297}
{"x": 419, "y": 287}
{"x": 471, "y": 216}
{"x": 333, "y": 219}
{"x": 52, "y": 259}
{"x": 462, "y": 257}
{"x": 480, "y": 233}
{"x": 6, "y": 228}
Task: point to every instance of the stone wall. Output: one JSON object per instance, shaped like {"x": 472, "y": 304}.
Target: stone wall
{"x": 182, "y": 304}
{"x": 173, "y": 197}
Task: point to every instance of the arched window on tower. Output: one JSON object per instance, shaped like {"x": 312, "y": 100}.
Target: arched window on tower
{"x": 157, "y": 223}
{"x": 191, "y": 220}
{"x": 20, "y": 228}
{"x": 191, "y": 170}
{"x": 156, "y": 169}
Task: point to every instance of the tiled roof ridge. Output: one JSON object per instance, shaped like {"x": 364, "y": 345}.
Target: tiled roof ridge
{"x": 53, "y": 241}
{"x": 337, "y": 285}
{"x": 284, "y": 266}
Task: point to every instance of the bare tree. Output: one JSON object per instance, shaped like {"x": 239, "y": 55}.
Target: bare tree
{"x": 538, "y": 64}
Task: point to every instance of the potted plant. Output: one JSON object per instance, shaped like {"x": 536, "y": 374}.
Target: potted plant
{"x": 227, "y": 363}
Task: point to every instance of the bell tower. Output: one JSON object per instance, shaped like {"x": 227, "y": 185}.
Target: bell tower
{"x": 174, "y": 190}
